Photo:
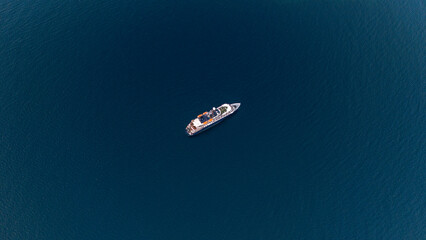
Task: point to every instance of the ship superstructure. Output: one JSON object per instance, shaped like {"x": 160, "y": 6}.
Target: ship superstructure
{"x": 210, "y": 118}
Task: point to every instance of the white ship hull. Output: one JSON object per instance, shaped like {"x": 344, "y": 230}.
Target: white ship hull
{"x": 208, "y": 119}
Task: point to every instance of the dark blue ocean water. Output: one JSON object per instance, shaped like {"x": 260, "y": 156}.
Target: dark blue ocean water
{"x": 329, "y": 142}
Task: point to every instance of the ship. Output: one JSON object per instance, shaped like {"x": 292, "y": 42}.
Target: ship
{"x": 208, "y": 119}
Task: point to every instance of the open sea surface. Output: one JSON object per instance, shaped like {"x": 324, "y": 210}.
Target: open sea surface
{"x": 329, "y": 142}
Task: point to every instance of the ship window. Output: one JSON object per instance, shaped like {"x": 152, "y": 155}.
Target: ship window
{"x": 203, "y": 118}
